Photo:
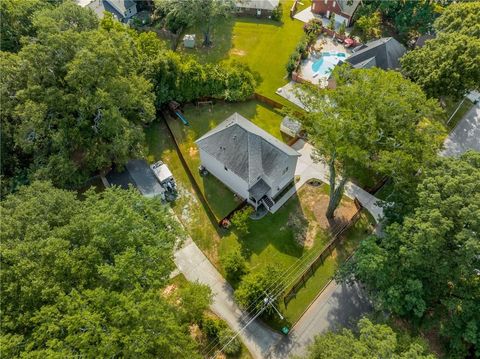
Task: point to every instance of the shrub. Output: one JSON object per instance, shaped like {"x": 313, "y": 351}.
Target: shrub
{"x": 218, "y": 330}
{"x": 277, "y": 13}
{"x": 342, "y": 29}
{"x": 234, "y": 265}
{"x": 225, "y": 336}
{"x": 251, "y": 292}
{"x": 292, "y": 63}
{"x": 240, "y": 219}
{"x": 331, "y": 24}
{"x": 313, "y": 26}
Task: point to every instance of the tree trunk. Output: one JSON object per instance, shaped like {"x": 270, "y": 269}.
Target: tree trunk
{"x": 336, "y": 190}
{"x": 206, "y": 38}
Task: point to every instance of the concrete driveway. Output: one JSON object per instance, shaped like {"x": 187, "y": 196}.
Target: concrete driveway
{"x": 466, "y": 136}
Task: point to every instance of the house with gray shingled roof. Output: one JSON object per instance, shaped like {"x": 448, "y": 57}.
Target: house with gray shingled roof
{"x": 384, "y": 53}
{"x": 251, "y": 162}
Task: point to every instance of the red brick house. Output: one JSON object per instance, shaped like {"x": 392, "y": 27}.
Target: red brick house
{"x": 343, "y": 9}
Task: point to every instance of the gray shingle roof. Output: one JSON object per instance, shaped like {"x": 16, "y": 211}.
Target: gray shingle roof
{"x": 246, "y": 149}
{"x": 257, "y": 4}
{"x": 383, "y": 53}
{"x": 348, "y": 6}
{"x": 259, "y": 189}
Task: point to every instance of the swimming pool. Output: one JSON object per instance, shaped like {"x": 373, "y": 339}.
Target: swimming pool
{"x": 328, "y": 60}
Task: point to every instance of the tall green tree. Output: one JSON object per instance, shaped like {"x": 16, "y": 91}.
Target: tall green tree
{"x": 427, "y": 268}
{"x": 372, "y": 341}
{"x": 17, "y": 16}
{"x": 369, "y": 27}
{"x": 75, "y": 99}
{"x": 448, "y": 65}
{"x": 409, "y": 18}
{"x": 204, "y": 14}
{"x": 460, "y": 17}
{"x": 374, "y": 120}
{"x": 84, "y": 278}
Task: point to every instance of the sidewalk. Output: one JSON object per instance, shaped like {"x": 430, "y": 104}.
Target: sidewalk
{"x": 197, "y": 268}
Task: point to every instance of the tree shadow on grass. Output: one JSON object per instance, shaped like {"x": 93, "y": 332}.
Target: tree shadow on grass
{"x": 221, "y": 37}
{"x": 275, "y": 230}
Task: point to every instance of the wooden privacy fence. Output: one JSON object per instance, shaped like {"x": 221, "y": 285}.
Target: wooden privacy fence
{"x": 267, "y": 100}
{"x": 337, "y": 233}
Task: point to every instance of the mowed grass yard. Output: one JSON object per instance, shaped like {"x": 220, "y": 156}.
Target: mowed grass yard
{"x": 265, "y": 45}
{"x": 296, "y": 231}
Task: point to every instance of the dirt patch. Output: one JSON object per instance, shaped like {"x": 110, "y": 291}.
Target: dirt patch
{"x": 238, "y": 52}
{"x": 196, "y": 333}
{"x": 316, "y": 200}
{"x": 169, "y": 290}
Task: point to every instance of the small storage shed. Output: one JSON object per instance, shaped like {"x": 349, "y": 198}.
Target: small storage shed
{"x": 290, "y": 127}
{"x": 189, "y": 41}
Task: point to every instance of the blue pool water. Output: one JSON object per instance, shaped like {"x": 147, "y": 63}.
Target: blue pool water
{"x": 325, "y": 64}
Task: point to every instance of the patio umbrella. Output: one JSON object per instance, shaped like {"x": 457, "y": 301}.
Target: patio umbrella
{"x": 348, "y": 41}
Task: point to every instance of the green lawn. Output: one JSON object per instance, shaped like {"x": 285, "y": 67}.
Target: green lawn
{"x": 188, "y": 207}
{"x": 265, "y": 45}
{"x": 278, "y": 239}
{"x": 202, "y": 119}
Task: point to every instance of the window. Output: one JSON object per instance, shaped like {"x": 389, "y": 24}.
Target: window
{"x": 285, "y": 171}
{"x": 226, "y": 169}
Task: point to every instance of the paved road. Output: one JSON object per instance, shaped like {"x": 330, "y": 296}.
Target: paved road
{"x": 338, "y": 306}
{"x": 258, "y": 338}
{"x": 466, "y": 135}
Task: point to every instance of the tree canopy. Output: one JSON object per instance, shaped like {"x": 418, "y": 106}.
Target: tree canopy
{"x": 427, "y": 267}
{"x": 73, "y": 101}
{"x": 448, "y": 65}
{"x": 83, "y": 277}
{"x": 372, "y": 341}
{"x": 17, "y": 16}
{"x": 253, "y": 288}
{"x": 409, "y": 17}
{"x": 204, "y": 14}
{"x": 75, "y": 98}
{"x": 461, "y": 18}
{"x": 374, "y": 120}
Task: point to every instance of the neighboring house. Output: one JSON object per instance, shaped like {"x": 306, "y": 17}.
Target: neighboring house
{"x": 343, "y": 9}
{"x": 423, "y": 39}
{"x": 123, "y": 10}
{"x": 262, "y": 8}
{"x": 384, "y": 53}
{"x": 252, "y": 163}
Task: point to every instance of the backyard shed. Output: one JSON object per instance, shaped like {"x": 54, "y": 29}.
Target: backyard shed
{"x": 290, "y": 127}
{"x": 189, "y": 41}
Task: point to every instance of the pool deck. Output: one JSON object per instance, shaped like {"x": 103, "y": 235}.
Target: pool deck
{"x": 327, "y": 45}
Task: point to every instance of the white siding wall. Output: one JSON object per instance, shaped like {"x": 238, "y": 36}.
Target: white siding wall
{"x": 230, "y": 179}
